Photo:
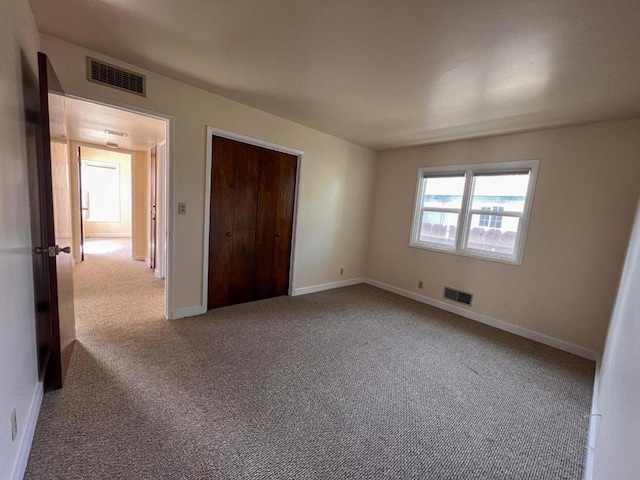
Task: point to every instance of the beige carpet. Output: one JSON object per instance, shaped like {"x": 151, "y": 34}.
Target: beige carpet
{"x": 354, "y": 383}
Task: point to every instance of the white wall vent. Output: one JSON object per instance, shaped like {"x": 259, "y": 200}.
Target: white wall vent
{"x": 116, "y": 77}
{"x": 458, "y": 296}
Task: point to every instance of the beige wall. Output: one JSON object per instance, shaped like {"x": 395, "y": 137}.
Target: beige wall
{"x": 18, "y": 367}
{"x": 336, "y": 175}
{"x": 587, "y": 189}
{"x": 125, "y": 163}
{"x": 141, "y": 207}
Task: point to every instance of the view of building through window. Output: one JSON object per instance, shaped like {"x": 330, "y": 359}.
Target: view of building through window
{"x": 491, "y": 216}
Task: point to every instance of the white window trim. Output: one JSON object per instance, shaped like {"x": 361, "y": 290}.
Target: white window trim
{"x": 465, "y": 214}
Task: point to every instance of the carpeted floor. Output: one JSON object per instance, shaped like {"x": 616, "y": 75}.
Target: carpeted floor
{"x": 354, "y": 383}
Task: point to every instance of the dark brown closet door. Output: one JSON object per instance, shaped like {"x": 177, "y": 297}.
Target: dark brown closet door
{"x": 234, "y": 191}
{"x": 274, "y": 223}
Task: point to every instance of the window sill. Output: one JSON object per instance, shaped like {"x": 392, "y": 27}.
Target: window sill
{"x": 469, "y": 253}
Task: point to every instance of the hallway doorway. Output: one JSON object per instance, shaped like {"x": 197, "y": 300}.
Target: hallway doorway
{"x": 118, "y": 200}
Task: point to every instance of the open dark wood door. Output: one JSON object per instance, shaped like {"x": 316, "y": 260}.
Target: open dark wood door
{"x": 51, "y": 235}
{"x": 83, "y": 209}
{"x": 153, "y": 187}
{"x": 44, "y": 335}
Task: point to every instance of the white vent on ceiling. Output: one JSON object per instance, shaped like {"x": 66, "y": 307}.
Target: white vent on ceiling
{"x": 116, "y": 77}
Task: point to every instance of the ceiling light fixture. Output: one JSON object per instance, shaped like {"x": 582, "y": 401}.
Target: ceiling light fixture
{"x": 114, "y": 132}
{"x": 112, "y": 144}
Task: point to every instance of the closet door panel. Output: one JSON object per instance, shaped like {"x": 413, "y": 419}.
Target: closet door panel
{"x": 244, "y": 224}
{"x": 221, "y": 221}
{"x": 274, "y": 224}
{"x": 234, "y": 184}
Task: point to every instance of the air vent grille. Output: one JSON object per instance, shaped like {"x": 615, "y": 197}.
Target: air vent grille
{"x": 458, "y": 296}
{"x": 106, "y": 74}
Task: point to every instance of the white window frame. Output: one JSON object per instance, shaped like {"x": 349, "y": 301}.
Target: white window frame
{"x": 465, "y": 211}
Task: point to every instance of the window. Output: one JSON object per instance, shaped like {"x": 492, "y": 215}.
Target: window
{"x": 100, "y": 191}
{"x": 493, "y": 221}
{"x": 476, "y": 210}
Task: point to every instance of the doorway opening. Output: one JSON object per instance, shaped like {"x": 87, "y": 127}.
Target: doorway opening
{"x": 105, "y": 195}
{"x": 119, "y": 192}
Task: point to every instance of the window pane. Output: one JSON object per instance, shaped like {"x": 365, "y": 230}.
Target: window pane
{"x": 498, "y": 235}
{"x": 101, "y": 192}
{"x": 500, "y": 192}
{"x": 443, "y": 192}
{"x": 439, "y": 228}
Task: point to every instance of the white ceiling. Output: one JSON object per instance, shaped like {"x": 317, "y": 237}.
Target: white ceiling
{"x": 87, "y": 122}
{"x": 382, "y": 73}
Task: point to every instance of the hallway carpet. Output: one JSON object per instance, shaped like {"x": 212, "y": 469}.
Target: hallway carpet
{"x": 354, "y": 383}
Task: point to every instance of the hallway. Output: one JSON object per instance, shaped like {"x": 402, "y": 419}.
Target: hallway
{"x": 113, "y": 291}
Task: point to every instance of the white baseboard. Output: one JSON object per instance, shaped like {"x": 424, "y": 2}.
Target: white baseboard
{"x": 327, "y": 286}
{"x": 107, "y": 235}
{"x": 199, "y": 310}
{"x": 493, "y": 322}
{"x": 141, "y": 258}
{"x": 188, "y": 312}
{"x": 594, "y": 424}
{"x": 29, "y": 431}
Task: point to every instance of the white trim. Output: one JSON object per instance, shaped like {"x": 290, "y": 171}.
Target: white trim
{"x": 188, "y": 312}
{"x": 27, "y": 437}
{"x": 252, "y": 141}
{"x": 328, "y": 286}
{"x": 493, "y": 322}
{"x": 161, "y": 210}
{"x": 294, "y": 226}
{"x": 107, "y": 235}
{"x": 127, "y": 107}
{"x": 594, "y": 424}
{"x": 211, "y": 131}
{"x": 142, "y": 258}
{"x": 170, "y": 190}
{"x": 170, "y": 227}
{"x": 207, "y": 219}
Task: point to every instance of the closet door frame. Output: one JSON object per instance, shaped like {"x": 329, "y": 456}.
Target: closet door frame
{"x": 211, "y": 132}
